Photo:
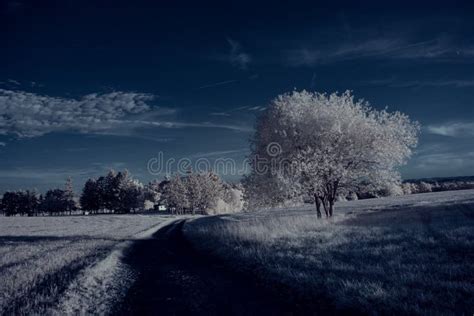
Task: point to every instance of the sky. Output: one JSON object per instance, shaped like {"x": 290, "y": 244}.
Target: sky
{"x": 86, "y": 86}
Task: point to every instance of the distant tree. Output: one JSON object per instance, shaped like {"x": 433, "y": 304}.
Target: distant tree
{"x": 110, "y": 189}
{"x": 69, "y": 202}
{"x": 408, "y": 188}
{"x": 176, "y": 195}
{"x": 424, "y": 187}
{"x": 20, "y": 202}
{"x": 229, "y": 201}
{"x": 153, "y": 192}
{"x": 117, "y": 192}
{"x": 32, "y": 202}
{"x": 193, "y": 190}
{"x": 199, "y": 192}
{"x": 90, "y": 198}
{"x": 10, "y": 203}
{"x": 55, "y": 201}
{"x": 212, "y": 189}
{"x": 203, "y": 191}
{"x": 130, "y": 196}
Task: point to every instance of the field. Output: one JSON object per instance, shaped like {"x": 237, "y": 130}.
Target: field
{"x": 412, "y": 254}
{"x": 66, "y": 264}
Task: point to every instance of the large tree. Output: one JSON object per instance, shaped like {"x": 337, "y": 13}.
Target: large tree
{"x": 328, "y": 143}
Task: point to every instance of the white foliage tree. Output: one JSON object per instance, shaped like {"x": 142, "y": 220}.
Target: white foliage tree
{"x": 204, "y": 190}
{"x": 328, "y": 143}
{"x": 152, "y": 194}
{"x": 176, "y": 194}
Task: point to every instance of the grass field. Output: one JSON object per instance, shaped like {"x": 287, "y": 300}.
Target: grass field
{"x": 411, "y": 254}
{"x": 64, "y": 264}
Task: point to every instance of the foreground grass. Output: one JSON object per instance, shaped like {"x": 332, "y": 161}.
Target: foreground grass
{"x": 405, "y": 255}
{"x": 41, "y": 256}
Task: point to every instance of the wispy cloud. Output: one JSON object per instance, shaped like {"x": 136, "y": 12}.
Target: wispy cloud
{"x": 12, "y": 81}
{"x": 400, "y": 83}
{"x": 216, "y": 84}
{"x": 219, "y": 114}
{"x": 445, "y": 161}
{"x": 55, "y": 175}
{"x": 3, "y": 144}
{"x": 390, "y": 48}
{"x": 239, "y": 109}
{"x": 452, "y": 129}
{"x": 237, "y": 57}
{"x": 221, "y": 153}
{"x": 444, "y": 157}
{"x": 10, "y": 84}
{"x": 58, "y": 175}
{"x": 170, "y": 124}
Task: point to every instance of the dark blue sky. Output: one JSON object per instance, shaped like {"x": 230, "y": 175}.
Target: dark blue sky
{"x": 90, "y": 85}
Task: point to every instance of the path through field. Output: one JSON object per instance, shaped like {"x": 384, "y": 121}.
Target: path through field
{"x": 174, "y": 280}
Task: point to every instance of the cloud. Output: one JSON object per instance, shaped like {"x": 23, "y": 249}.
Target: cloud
{"x": 3, "y": 144}
{"x": 237, "y": 56}
{"x": 216, "y": 84}
{"x": 12, "y": 81}
{"x": 11, "y": 84}
{"x": 219, "y": 114}
{"x": 221, "y": 153}
{"x": 239, "y": 110}
{"x": 445, "y": 161}
{"x": 27, "y": 114}
{"x": 399, "y": 83}
{"x": 452, "y": 129}
{"x": 170, "y": 124}
{"x": 439, "y": 49}
{"x": 59, "y": 174}
{"x": 441, "y": 157}
{"x": 55, "y": 175}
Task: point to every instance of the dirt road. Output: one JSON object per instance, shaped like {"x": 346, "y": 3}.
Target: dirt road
{"x": 173, "y": 279}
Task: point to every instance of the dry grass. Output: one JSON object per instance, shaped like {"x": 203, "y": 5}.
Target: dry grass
{"x": 41, "y": 256}
{"x": 411, "y": 256}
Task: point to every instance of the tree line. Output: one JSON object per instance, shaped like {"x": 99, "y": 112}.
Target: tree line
{"x": 119, "y": 192}
{"x": 30, "y": 203}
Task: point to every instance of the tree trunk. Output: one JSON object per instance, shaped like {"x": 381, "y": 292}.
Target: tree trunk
{"x": 331, "y": 207}
{"x": 317, "y": 203}
{"x": 325, "y": 206}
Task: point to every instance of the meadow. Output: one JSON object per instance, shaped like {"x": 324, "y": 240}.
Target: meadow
{"x": 411, "y": 254}
{"x": 58, "y": 264}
